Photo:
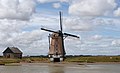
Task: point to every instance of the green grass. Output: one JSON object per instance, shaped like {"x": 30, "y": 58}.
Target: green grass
{"x": 26, "y": 60}
{"x": 89, "y": 59}
{"x": 34, "y": 59}
{"x": 7, "y": 61}
{"x": 93, "y": 59}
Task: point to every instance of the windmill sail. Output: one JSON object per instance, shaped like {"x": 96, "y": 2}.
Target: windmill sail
{"x": 60, "y": 21}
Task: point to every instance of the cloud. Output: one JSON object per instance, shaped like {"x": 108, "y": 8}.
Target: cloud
{"x": 9, "y": 29}
{"x": 65, "y": 1}
{"x": 46, "y": 1}
{"x": 47, "y": 21}
{"x": 16, "y": 9}
{"x": 10, "y": 26}
{"x": 26, "y": 35}
{"x": 26, "y": 39}
{"x": 13, "y": 34}
{"x": 117, "y": 12}
{"x": 96, "y": 37}
{"x": 56, "y": 5}
{"x": 92, "y": 8}
{"x": 78, "y": 24}
{"x": 91, "y": 24}
{"x": 16, "y": 30}
{"x": 100, "y": 45}
{"x": 115, "y": 43}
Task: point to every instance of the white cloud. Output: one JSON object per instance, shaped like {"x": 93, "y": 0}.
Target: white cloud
{"x": 91, "y": 24}
{"x": 16, "y": 9}
{"x": 92, "y": 7}
{"x": 27, "y": 34}
{"x": 8, "y": 30}
{"x": 56, "y": 5}
{"x": 10, "y": 26}
{"x": 115, "y": 43}
{"x": 13, "y": 34}
{"x": 45, "y": 21}
{"x": 25, "y": 39}
{"x": 117, "y": 12}
{"x": 97, "y": 37}
{"x": 78, "y": 24}
{"x": 65, "y": 1}
{"x": 45, "y": 1}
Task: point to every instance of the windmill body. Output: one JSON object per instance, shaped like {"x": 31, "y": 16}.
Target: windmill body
{"x": 56, "y": 43}
{"x": 56, "y": 52}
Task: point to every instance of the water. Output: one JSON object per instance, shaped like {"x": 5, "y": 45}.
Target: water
{"x": 61, "y": 68}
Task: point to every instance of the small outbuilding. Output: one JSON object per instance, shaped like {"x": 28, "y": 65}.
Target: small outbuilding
{"x": 12, "y": 52}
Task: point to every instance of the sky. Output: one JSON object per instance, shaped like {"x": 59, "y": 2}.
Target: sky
{"x": 96, "y": 22}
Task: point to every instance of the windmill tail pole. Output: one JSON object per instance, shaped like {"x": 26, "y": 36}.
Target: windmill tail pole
{"x": 49, "y": 40}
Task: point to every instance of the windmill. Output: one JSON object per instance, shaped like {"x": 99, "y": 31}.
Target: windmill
{"x": 56, "y": 43}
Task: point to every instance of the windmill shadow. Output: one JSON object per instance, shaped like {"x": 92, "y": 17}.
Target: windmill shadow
{"x": 56, "y": 69}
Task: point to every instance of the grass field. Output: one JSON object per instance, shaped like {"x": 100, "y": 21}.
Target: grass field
{"x": 80, "y": 59}
{"x": 93, "y": 59}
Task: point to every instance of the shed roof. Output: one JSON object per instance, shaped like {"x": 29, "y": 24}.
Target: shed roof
{"x": 13, "y": 49}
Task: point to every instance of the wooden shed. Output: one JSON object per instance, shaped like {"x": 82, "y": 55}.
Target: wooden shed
{"x": 12, "y": 52}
